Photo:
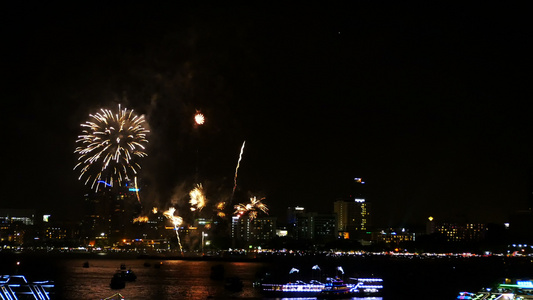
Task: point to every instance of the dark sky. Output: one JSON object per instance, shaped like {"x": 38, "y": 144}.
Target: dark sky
{"x": 429, "y": 104}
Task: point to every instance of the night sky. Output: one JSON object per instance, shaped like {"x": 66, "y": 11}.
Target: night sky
{"x": 429, "y": 104}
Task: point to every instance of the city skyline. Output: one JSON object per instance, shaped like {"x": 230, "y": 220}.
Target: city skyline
{"x": 428, "y": 105}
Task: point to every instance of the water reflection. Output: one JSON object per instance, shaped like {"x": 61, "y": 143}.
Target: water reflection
{"x": 170, "y": 280}
{"x": 173, "y": 279}
{"x": 314, "y": 298}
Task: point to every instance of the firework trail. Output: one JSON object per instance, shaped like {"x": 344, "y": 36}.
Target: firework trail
{"x": 197, "y": 198}
{"x": 109, "y": 142}
{"x": 251, "y": 208}
{"x": 236, "y": 171}
{"x": 176, "y": 221}
{"x": 137, "y": 190}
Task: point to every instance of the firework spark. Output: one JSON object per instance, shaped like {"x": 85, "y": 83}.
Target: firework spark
{"x": 220, "y": 209}
{"x": 140, "y": 219}
{"x": 197, "y": 198}
{"x": 236, "y": 172}
{"x": 251, "y": 208}
{"x": 176, "y": 221}
{"x": 199, "y": 118}
{"x": 109, "y": 142}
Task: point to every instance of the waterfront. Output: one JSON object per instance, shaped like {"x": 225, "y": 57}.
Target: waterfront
{"x": 404, "y": 278}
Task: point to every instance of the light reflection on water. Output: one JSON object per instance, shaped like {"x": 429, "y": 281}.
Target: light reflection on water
{"x": 314, "y": 298}
{"x": 175, "y": 279}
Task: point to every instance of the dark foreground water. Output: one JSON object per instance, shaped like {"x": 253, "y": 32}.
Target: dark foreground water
{"x": 190, "y": 279}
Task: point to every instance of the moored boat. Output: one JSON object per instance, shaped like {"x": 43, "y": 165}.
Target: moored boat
{"x": 117, "y": 282}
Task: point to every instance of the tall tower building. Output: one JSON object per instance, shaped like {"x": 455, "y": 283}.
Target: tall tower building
{"x": 109, "y": 212}
{"x": 316, "y": 226}
{"x": 293, "y": 213}
{"x": 353, "y": 211}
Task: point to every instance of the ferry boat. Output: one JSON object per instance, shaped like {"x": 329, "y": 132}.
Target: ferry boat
{"x": 335, "y": 289}
{"x": 331, "y": 289}
{"x": 510, "y": 289}
{"x": 17, "y": 287}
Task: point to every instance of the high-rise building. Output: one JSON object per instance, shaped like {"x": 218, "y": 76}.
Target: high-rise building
{"x": 16, "y": 225}
{"x": 462, "y": 232}
{"x": 246, "y": 231}
{"x": 352, "y": 215}
{"x": 24, "y": 216}
{"x": 263, "y": 230}
{"x": 391, "y": 236}
{"x": 316, "y": 227}
{"x": 353, "y": 211}
{"x": 109, "y": 213}
{"x": 293, "y": 213}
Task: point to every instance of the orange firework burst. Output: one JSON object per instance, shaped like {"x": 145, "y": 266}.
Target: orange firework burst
{"x": 220, "y": 209}
{"x": 140, "y": 220}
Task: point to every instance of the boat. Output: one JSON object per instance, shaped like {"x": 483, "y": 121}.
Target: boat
{"x": 128, "y": 275}
{"x": 125, "y": 275}
{"x": 17, "y": 287}
{"x": 334, "y": 290}
{"x": 117, "y": 282}
{"x": 355, "y": 287}
{"x": 292, "y": 289}
{"x": 509, "y": 289}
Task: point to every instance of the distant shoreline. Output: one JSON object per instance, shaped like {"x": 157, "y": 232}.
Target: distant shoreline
{"x": 249, "y": 257}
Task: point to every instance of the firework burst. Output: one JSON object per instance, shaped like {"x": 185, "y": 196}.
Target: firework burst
{"x": 197, "y": 198}
{"x": 109, "y": 143}
{"x": 141, "y": 219}
{"x": 220, "y": 209}
{"x": 251, "y": 208}
{"x": 199, "y": 118}
{"x": 176, "y": 221}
